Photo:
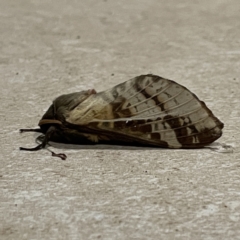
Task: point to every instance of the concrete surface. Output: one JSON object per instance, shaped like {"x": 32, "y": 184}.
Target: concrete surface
{"x": 53, "y": 47}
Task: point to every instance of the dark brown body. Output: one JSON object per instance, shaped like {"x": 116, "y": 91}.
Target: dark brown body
{"x": 146, "y": 110}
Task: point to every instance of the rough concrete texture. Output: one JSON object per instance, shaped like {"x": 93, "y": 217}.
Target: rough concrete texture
{"x": 103, "y": 192}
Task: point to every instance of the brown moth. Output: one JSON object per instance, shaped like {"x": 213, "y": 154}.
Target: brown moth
{"x": 146, "y": 110}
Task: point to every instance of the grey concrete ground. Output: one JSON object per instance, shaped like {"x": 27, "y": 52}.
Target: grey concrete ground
{"x": 53, "y": 47}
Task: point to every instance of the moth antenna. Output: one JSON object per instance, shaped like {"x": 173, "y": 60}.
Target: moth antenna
{"x": 30, "y": 130}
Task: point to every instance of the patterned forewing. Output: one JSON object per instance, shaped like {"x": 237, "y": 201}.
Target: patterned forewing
{"x": 156, "y": 110}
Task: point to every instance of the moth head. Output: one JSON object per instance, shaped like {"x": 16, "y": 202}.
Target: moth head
{"x": 61, "y": 106}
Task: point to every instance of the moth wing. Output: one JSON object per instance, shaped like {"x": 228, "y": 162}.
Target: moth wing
{"x": 152, "y": 110}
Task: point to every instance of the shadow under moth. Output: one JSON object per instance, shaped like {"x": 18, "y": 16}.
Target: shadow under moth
{"x": 146, "y": 110}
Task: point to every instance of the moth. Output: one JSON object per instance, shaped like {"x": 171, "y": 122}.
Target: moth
{"x": 145, "y": 110}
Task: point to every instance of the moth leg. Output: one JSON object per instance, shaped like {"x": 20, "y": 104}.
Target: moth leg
{"x": 38, "y": 147}
{"x": 60, "y": 155}
{"x": 30, "y": 130}
{"x": 45, "y": 140}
